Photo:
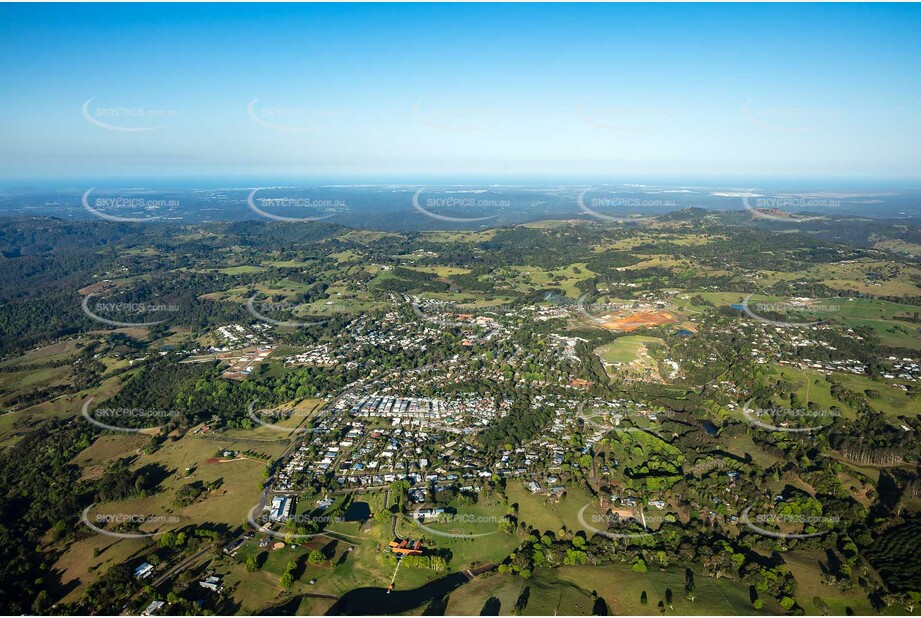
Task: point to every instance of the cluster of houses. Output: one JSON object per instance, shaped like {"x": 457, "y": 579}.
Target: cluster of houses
{"x": 783, "y": 346}
{"x": 319, "y": 354}
{"x": 364, "y": 456}
{"x": 907, "y": 369}
{"x": 361, "y": 445}
{"x": 238, "y": 335}
{"x": 566, "y": 346}
{"x": 243, "y": 362}
{"x": 393, "y": 331}
{"x": 460, "y": 415}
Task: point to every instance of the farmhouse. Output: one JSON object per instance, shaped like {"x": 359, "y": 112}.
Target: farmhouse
{"x": 406, "y": 547}
{"x": 427, "y": 513}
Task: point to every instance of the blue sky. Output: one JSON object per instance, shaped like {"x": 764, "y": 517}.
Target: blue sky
{"x": 747, "y": 91}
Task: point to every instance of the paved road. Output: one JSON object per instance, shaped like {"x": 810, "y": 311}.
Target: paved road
{"x": 182, "y": 565}
{"x": 172, "y": 571}
{"x": 269, "y": 492}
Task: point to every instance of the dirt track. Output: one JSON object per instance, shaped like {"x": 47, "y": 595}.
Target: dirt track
{"x": 641, "y": 319}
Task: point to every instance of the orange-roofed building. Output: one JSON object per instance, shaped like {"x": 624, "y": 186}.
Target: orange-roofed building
{"x": 406, "y": 547}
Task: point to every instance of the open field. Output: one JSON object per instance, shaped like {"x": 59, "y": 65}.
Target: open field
{"x": 891, "y": 401}
{"x": 240, "y": 270}
{"x": 61, "y": 350}
{"x": 366, "y": 564}
{"x": 481, "y": 518}
{"x": 568, "y": 590}
{"x": 544, "y": 593}
{"x": 14, "y": 424}
{"x": 93, "y": 555}
{"x": 900, "y": 246}
{"x": 811, "y": 387}
{"x": 806, "y": 568}
{"x": 529, "y": 278}
{"x": 238, "y": 488}
{"x": 228, "y": 504}
{"x": 443, "y": 272}
{"x": 882, "y": 277}
{"x": 626, "y": 349}
{"x": 621, "y": 587}
{"x": 107, "y": 448}
{"x": 464, "y": 237}
{"x": 544, "y": 513}
{"x": 469, "y": 599}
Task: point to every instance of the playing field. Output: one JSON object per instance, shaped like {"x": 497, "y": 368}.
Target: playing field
{"x": 626, "y": 349}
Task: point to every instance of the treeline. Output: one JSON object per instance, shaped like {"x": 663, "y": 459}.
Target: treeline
{"x": 522, "y": 423}
{"x": 41, "y": 493}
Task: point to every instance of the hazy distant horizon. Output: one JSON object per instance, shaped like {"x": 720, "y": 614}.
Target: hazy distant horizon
{"x": 399, "y": 205}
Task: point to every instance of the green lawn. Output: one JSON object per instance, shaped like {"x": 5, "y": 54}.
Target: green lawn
{"x": 545, "y": 592}
{"x": 892, "y": 402}
{"x": 545, "y": 513}
{"x": 481, "y": 518}
{"x": 626, "y": 349}
{"x": 622, "y": 588}
{"x": 806, "y": 568}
